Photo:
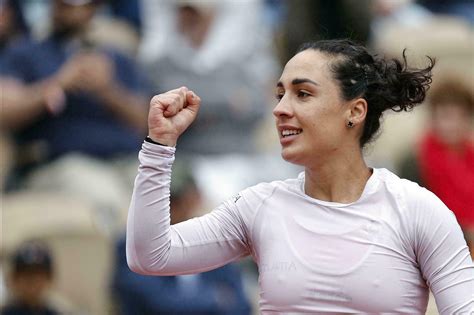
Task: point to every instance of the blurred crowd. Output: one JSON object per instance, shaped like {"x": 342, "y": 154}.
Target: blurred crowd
{"x": 76, "y": 77}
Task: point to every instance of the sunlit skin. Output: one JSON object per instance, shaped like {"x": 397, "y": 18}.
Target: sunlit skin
{"x": 310, "y": 101}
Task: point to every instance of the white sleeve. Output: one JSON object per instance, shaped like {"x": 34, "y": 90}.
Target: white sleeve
{"x": 443, "y": 256}
{"x": 200, "y": 244}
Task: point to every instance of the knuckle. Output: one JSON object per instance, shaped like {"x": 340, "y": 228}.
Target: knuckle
{"x": 177, "y": 100}
{"x": 160, "y": 97}
{"x": 155, "y": 99}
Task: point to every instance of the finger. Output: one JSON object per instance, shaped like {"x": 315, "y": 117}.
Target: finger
{"x": 170, "y": 104}
{"x": 168, "y": 98}
{"x": 178, "y": 97}
{"x": 192, "y": 98}
{"x": 180, "y": 93}
{"x": 193, "y": 103}
{"x": 182, "y": 88}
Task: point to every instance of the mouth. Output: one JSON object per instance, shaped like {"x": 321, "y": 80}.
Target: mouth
{"x": 290, "y": 132}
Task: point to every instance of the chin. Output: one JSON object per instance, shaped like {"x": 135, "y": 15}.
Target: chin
{"x": 291, "y": 156}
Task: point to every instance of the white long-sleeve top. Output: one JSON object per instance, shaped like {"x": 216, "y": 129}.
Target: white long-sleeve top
{"x": 378, "y": 255}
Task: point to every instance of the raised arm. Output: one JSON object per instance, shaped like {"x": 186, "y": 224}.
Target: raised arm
{"x": 153, "y": 245}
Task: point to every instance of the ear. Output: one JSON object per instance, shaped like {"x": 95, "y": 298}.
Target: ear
{"x": 357, "y": 111}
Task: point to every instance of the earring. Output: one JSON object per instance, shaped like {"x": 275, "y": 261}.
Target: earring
{"x": 350, "y": 124}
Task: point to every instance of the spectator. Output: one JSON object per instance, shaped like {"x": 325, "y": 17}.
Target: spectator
{"x": 461, "y": 8}
{"x": 127, "y": 10}
{"x": 12, "y": 24}
{"x": 31, "y": 277}
{"x": 446, "y": 153}
{"x": 310, "y": 20}
{"x": 82, "y": 108}
{"x": 13, "y": 32}
{"x": 390, "y": 13}
{"x": 222, "y": 50}
{"x": 216, "y": 292}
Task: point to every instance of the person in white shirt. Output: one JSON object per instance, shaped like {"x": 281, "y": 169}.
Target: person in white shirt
{"x": 342, "y": 238}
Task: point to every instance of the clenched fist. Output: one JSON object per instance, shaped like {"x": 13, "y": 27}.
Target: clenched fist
{"x": 170, "y": 115}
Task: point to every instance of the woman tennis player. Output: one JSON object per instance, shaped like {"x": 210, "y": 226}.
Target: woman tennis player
{"x": 341, "y": 237}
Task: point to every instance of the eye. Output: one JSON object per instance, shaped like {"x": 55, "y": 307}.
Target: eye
{"x": 303, "y": 94}
{"x": 279, "y": 95}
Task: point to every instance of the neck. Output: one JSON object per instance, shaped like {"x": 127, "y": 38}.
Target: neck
{"x": 341, "y": 178}
{"x": 457, "y": 147}
{"x": 66, "y": 34}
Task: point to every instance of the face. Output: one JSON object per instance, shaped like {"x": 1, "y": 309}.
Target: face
{"x": 6, "y": 21}
{"x": 452, "y": 123}
{"x": 194, "y": 24}
{"x": 311, "y": 115}
{"x": 71, "y": 18}
{"x": 30, "y": 286}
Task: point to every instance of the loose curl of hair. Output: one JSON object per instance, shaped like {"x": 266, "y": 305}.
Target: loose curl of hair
{"x": 383, "y": 83}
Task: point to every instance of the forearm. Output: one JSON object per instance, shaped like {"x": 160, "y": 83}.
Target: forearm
{"x": 129, "y": 107}
{"x": 150, "y": 207}
{"x": 156, "y": 247}
{"x": 22, "y": 104}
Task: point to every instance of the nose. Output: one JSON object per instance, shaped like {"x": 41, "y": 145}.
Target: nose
{"x": 283, "y": 108}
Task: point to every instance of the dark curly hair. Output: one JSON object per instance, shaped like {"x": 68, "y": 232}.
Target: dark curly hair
{"x": 384, "y": 84}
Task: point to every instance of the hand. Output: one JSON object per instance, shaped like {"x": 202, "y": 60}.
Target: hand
{"x": 97, "y": 73}
{"x": 12, "y": 90}
{"x": 87, "y": 71}
{"x": 170, "y": 115}
{"x": 69, "y": 75}
{"x": 54, "y": 98}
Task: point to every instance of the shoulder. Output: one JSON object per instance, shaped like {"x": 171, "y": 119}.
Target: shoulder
{"x": 250, "y": 200}
{"x": 19, "y": 57}
{"x": 413, "y": 199}
{"x": 25, "y": 46}
{"x": 19, "y": 49}
{"x": 409, "y": 191}
{"x": 246, "y": 206}
{"x": 420, "y": 213}
{"x": 267, "y": 189}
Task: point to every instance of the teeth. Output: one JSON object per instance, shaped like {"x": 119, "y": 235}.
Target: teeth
{"x": 289, "y": 132}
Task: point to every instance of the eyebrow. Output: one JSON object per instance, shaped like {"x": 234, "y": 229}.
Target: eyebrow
{"x": 298, "y": 81}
